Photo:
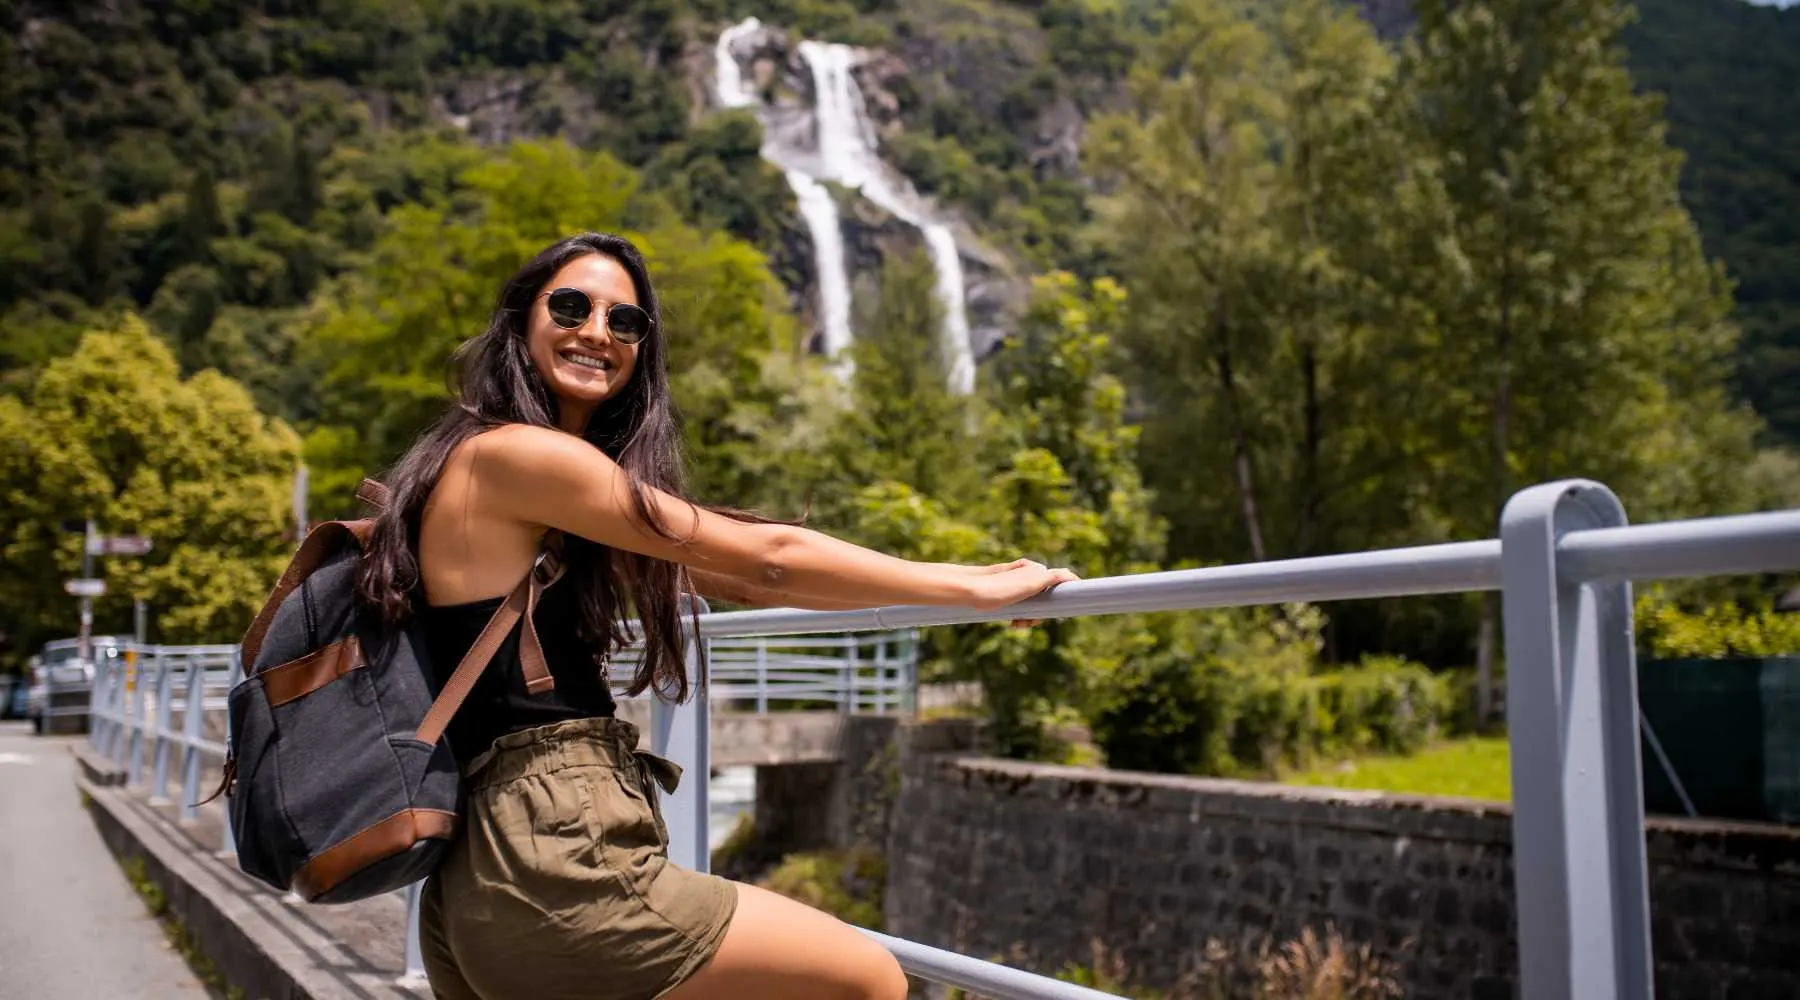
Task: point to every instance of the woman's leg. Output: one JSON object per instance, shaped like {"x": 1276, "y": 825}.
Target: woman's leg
{"x": 779, "y": 949}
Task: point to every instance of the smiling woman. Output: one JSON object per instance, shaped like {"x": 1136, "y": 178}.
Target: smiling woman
{"x": 561, "y": 455}
{"x": 584, "y": 334}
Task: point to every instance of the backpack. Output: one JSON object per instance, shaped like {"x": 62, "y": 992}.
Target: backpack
{"x": 338, "y": 778}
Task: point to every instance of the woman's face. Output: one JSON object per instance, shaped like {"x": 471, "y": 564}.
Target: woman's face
{"x": 585, "y": 366}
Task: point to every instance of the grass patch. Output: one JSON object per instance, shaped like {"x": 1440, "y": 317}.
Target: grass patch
{"x": 179, "y": 937}
{"x": 1474, "y": 768}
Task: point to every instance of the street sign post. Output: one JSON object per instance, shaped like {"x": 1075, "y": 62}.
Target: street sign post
{"x": 87, "y": 587}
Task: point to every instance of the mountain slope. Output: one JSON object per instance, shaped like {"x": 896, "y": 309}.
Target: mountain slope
{"x": 1729, "y": 71}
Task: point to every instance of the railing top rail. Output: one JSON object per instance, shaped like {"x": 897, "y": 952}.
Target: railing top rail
{"x": 1456, "y": 567}
{"x": 1714, "y": 546}
{"x": 1746, "y": 543}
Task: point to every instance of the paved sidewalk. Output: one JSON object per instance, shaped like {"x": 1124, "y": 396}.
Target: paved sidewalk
{"x": 70, "y": 924}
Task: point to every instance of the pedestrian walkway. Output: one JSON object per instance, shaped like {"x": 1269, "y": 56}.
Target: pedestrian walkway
{"x": 71, "y": 926}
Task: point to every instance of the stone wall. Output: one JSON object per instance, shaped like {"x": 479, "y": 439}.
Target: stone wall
{"x": 1034, "y": 864}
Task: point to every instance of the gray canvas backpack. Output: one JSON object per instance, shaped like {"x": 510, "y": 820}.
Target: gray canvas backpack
{"x": 339, "y": 780}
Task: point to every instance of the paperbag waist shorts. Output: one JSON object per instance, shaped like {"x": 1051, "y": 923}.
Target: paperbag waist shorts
{"x": 559, "y": 884}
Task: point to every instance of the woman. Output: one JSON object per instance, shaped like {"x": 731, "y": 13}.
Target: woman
{"x": 563, "y": 437}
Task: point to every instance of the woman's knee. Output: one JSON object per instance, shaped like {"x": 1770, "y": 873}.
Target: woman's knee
{"x": 777, "y": 949}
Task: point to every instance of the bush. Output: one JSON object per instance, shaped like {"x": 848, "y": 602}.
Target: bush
{"x": 1385, "y": 703}
{"x": 849, "y": 885}
{"x": 1667, "y": 631}
{"x": 1236, "y": 694}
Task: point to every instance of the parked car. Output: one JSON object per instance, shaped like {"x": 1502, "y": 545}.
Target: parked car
{"x": 62, "y": 683}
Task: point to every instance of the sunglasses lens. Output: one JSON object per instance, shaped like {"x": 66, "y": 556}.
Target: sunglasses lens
{"x": 569, "y": 307}
{"x": 627, "y": 323}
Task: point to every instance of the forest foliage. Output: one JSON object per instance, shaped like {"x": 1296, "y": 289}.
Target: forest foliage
{"x": 1296, "y": 290}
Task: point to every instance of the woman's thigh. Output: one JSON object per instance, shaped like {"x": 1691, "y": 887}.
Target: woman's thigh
{"x": 778, "y": 949}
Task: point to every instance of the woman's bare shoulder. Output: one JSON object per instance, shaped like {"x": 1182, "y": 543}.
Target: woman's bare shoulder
{"x": 515, "y": 449}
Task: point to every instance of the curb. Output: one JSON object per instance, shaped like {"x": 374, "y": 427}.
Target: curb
{"x": 263, "y": 947}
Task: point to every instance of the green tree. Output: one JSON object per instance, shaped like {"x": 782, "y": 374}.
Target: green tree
{"x": 1190, "y": 173}
{"x": 1057, "y": 464}
{"x": 1582, "y": 328}
{"x": 385, "y": 332}
{"x": 113, "y": 433}
{"x": 903, "y": 424}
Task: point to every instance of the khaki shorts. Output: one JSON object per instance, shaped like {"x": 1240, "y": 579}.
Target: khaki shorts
{"x": 559, "y": 885}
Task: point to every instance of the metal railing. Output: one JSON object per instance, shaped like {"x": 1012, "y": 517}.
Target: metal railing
{"x": 138, "y": 703}
{"x": 1563, "y": 563}
{"x": 137, "y": 699}
{"x": 59, "y": 683}
{"x": 856, "y": 672}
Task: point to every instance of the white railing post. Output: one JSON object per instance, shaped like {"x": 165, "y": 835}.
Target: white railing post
{"x": 413, "y": 976}
{"x": 1579, "y": 870}
{"x": 909, "y": 674}
{"x": 680, "y": 733}
{"x": 115, "y": 710}
{"x": 762, "y": 675}
{"x": 165, "y": 689}
{"x": 96, "y": 709}
{"x": 134, "y": 767}
{"x": 233, "y": 674}
{"x": 847, "y": 675}
{"x": 192, "y": 716}
{"x": 884, "y": 684}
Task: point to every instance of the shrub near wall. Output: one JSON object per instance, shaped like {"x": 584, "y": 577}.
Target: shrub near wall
{"x": 1220, "y": 718}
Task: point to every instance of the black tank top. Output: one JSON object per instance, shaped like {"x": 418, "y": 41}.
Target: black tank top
{"x": 499, "y": 703}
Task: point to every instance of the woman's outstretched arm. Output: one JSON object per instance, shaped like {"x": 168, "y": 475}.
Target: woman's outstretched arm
{"x": 719, "y": 587}
{"x": 546, "y": 477}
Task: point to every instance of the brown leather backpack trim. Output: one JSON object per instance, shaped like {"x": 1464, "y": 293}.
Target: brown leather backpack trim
{"x": 299, "y": 678}
{"x": 321, "y": 543}
{"x": 369, "y": 845}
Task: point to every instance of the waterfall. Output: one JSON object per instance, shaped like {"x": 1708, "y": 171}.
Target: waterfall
{"x": 847, "y": 156}
{"x": 821, "y": 216}
{"x": 844, "y": 151}
{"x": 817, "y": 209}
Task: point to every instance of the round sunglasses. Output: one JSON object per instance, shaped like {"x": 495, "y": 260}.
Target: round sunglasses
{"x": 571, "y": 307}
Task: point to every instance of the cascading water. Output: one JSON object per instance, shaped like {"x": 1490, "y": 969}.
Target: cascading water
{"x": 817, "y": 209}
{"x": 845, "y": 153}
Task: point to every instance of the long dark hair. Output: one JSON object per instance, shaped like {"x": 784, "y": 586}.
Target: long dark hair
{"x": 495, "y": 382}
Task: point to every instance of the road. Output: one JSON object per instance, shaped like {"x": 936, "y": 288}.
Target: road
{"x": 71, "y": 926}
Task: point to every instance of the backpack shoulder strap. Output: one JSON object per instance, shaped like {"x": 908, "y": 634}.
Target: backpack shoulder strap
{"x": 375, "y": 494}
{"x": 518, "y": 605}
{"x": 324, "y": 540}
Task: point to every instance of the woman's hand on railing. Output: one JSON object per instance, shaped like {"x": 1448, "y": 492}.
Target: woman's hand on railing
{"x": 1002, "y": 584}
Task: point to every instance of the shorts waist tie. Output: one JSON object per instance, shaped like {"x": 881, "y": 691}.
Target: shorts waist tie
{"x": 664, "y": 772}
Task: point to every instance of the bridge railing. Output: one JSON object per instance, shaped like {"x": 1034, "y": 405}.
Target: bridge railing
{"x": 1564, "y": 563}
{"x": 856, "y": 672}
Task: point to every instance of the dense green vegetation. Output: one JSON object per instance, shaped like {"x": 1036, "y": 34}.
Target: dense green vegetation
{"x": 1294, "y": 290}
{"x": 211, "y": 164}
{"x": 1728, "y": 69}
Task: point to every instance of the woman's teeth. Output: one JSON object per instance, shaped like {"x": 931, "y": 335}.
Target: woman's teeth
{"x": 599, "y": 364}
